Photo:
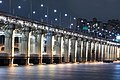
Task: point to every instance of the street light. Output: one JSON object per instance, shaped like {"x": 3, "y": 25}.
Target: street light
{"x": 55, "y": 11}
{"x": 66, "y": 15}
{"x": 46, "y": 16}
{"x": 56, "y": 19}
{"x": 0, "y": 1}
{"x": 34, "y": 12}
{"x": 74, "y": 18}
{"x": 41, "y": 5}
{"x": 19, "y": 7}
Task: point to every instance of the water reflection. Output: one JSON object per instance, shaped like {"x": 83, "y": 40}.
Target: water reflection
{"x": 62, "y": 72}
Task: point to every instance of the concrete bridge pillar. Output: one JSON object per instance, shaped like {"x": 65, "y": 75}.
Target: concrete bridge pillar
{"x": 99, "y": 51}
{"x": 81, "y": 51}
{"x": 104, "y": 51}
{"x": 85, "y": 50}
{"x": 86, "y": 53}
{"x": 59, "y": 47}
{"x": 25, "y": 44}
{"x": 116, "y": 52}
{"x": 39, "y": 44}
{"x": 78, "y": 55}
{"x": 32, "y": 44}
{"x": 50, "y": 45}
{"x": 95, "y": 51}
{"x": 89, "y": 51}
{"x": 112, "y": 54}
{"x": 73, "y": 49}
{"x": 9, "y": 42}
{"x": 66, "y": 49}
{"x": 108, "y": 51}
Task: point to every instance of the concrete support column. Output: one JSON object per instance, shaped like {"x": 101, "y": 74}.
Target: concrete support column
{"x": 92, "y": 52}
{"x": 84, "y": 51}
{"x": 59, "y": 47}
{"x": 102, "y": 52}
{"x": 39, "y": 44}
{"x": 112, "y": 53}
{"x": 50, "y": 45}
{"x": 20, "y": 45}
{"x": 108, "y": 52}
{"x": 32, "y": 44}
{"x": 25, "y": 44}
{"x": 9, "y": 42}
{"x": 119, "y": 52}
{"x": 116, "y": 52}
{"x": 99, "y": 51}
{"x": 73, "y": 50}
{"x": 86, "y": 54}
{"x": 66, "y": 49}
{"x": 78, "y": 50}
{"x": 95, "y": 51}
{"x": 81, "y": 51}
{"x": 105, "y": 52}
{"x": 89, "y": 51}
{"x": 101, "y": 56}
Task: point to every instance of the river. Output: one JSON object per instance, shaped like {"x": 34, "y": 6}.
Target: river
{"x": 82, "y": 71}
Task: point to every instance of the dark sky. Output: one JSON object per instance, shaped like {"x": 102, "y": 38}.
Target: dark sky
{"x": 101, "y": 9}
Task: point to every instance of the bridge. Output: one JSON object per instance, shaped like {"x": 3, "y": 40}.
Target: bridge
{"x": 40, "y": 43}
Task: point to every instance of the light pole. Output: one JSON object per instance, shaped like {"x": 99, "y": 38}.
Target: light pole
{"x": 70, "y": 20}
{"x": 46, "y": 15}
{"x": 30, "y": 14}
{"x": 10, "y": 5}
{"x": 59, "y": 17}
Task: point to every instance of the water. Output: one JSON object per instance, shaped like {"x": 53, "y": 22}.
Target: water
{"x": 62, "y": 72}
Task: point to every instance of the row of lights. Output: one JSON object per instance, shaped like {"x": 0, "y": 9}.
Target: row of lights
{"x": 46, "y": 15}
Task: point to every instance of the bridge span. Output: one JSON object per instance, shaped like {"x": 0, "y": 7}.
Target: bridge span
{"x": 40, "y": 43}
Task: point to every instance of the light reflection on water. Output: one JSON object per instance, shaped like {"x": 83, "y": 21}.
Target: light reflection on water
{"x": 62, "y": 72}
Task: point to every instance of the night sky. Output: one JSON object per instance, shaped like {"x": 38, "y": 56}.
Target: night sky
{"x": 101, "y": 9}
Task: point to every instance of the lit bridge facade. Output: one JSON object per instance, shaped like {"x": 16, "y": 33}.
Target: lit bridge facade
{"x": 42, "y": 43}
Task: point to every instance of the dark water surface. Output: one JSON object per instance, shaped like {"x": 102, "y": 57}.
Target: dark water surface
{"x": 90, "y": 71}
